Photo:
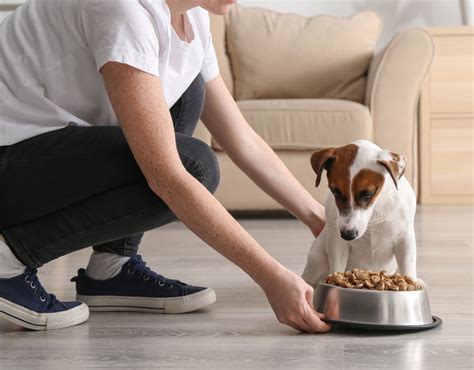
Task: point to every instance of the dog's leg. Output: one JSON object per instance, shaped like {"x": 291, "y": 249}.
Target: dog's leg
{"x": 317, "y": 264}
{"x": 338, "y": 251}
{"x": 405, "y": 253}
{"x": 338, "y": 255}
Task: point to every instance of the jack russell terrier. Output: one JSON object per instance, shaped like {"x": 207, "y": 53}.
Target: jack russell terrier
{"x": 370, "y": 213}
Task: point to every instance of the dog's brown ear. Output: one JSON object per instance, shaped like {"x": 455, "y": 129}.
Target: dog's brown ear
{"x": 394, "y": 163}
{"x": 320, "y": 160}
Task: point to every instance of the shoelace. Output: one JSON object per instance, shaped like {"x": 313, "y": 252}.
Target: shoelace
{"x": 138, "y": 267}
{"x": 32, "y": 280}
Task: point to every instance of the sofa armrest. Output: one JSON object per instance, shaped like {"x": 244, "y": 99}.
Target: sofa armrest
{"x": 394, "y": 83}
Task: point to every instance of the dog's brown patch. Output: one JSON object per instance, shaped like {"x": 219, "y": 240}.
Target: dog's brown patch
{"x": 395, "y": 166}
{"x": 320, "y": 160}
{"x": 339, "y": 176}
{"x": 366, "y": 182}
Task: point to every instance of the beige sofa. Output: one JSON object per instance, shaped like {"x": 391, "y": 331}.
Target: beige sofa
{"x": 296, "y": 125}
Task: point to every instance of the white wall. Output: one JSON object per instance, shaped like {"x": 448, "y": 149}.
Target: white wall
{"x": 397, "y": 14}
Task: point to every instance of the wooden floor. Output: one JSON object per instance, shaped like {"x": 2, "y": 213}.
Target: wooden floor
{"x": 240, "y": 331}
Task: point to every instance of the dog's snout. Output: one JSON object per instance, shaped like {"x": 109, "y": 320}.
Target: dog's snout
{"x": 349, "y": 234}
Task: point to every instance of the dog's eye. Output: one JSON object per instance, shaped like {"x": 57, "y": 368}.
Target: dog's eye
{"x": 337, "y": 193}
{"x": 365, "y": 194}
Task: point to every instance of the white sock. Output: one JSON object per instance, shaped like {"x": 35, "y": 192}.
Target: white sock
{"x": 105, "y": 265}
{"x": 9, "y": 264}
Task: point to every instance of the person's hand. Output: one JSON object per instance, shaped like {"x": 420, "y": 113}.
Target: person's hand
{"x": 292, "y": 301}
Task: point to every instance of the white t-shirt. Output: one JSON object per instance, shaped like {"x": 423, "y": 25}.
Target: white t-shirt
{"x": 51, "y": 52}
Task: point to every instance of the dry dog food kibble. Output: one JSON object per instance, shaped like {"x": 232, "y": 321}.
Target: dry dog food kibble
{"x": 366, "y": 279}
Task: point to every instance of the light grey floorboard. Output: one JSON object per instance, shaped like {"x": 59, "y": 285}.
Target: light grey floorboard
{"x": 240, "y": 331}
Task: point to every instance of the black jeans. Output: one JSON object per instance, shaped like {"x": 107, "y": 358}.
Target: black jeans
{"x": 80, "y": 186}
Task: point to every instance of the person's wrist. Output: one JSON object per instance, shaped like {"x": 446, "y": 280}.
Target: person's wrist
{"x": 269, "y": 274}
{"x": 311, "y": 213}
{"x": 315, "y": 219}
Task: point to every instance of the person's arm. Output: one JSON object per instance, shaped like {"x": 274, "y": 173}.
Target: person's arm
{"x": 253, "y": 155}
{"x": 139, "y": 104}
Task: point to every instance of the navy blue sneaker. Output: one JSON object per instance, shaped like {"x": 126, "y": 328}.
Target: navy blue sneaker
{"x": 137, "y": 288}
{"x": 25, "y": 302}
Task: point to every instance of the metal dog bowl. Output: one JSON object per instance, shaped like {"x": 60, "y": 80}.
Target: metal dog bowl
{"x": 373, "y": 309}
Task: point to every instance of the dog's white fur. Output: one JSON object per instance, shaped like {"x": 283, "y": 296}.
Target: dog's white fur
{"x": 386, "y": 229}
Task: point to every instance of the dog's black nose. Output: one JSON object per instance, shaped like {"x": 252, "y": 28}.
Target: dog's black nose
{"x": 350, "y": 234}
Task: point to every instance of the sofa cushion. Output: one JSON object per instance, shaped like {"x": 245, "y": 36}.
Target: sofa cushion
{"x": 275, "y": 55}
{"x": 306, "y": 124}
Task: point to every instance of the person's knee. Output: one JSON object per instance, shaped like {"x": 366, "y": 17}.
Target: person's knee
{"x": 210, "y": 167}
{"x": 214, "y": 173}
{"x": 201, "y": 161}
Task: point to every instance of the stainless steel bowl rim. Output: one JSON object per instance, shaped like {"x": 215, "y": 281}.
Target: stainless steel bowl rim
{"x": 373, "y": 307}
{"x": 363, "y": 290}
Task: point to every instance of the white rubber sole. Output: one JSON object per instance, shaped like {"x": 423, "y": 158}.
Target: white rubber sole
{"x": 42, "y": 321}
{"x": 188, "y": 303}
